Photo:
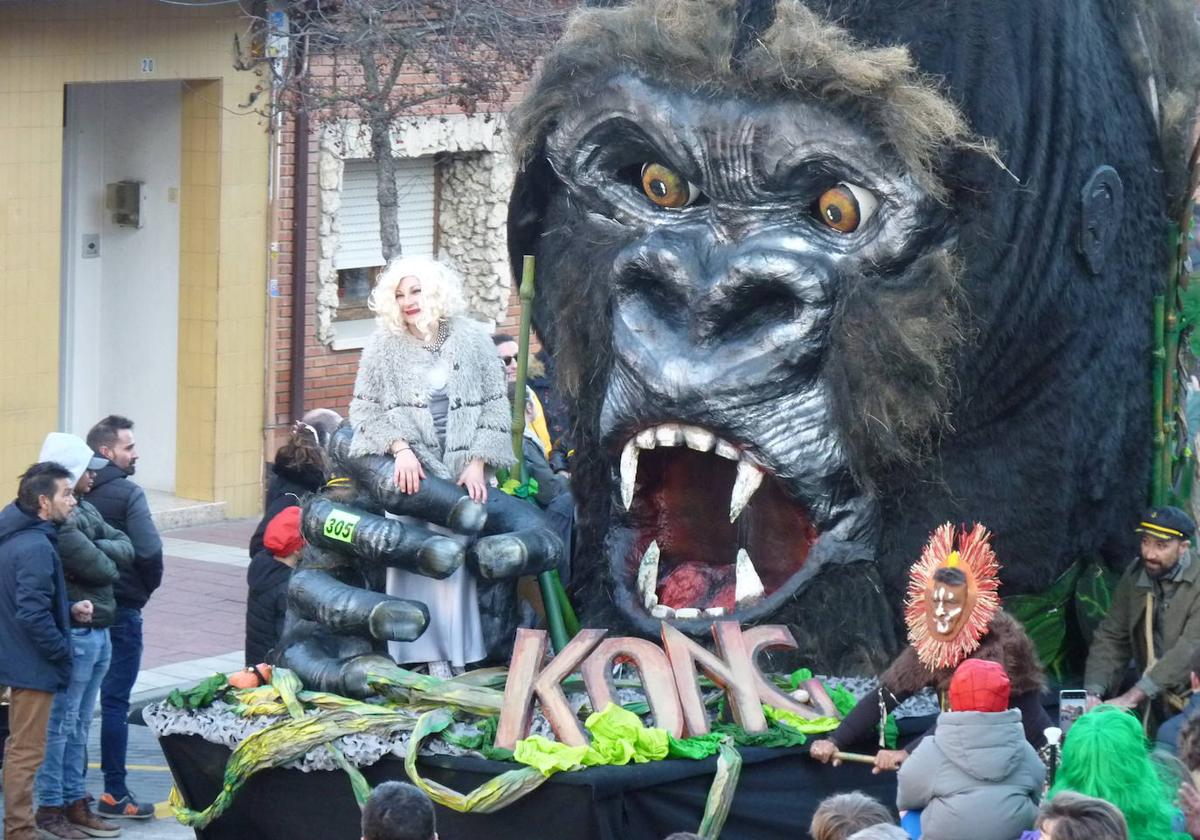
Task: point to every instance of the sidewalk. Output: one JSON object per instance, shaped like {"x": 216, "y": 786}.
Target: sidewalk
{"x": 195, "y": 623}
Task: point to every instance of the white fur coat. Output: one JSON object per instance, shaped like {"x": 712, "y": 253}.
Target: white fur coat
{"x": 391, "y": 400}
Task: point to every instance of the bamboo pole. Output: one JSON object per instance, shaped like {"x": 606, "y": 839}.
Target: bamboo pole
{"x": 1158, "y": 479}
{"x": 547, "y": 581}
{"x": 1170, "y": 392}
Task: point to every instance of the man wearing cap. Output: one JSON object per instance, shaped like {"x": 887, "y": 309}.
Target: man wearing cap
{"x": 1154, "y": 619}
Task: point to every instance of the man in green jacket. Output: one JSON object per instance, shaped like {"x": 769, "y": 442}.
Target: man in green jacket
{"x": 1154, "y": 619}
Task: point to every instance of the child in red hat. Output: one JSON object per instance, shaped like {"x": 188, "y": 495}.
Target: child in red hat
{"x": 268, "y": 577}
{"x": 976, "y": 776}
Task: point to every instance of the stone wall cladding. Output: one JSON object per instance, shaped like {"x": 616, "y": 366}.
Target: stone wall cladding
{"x": 476, "y": 173}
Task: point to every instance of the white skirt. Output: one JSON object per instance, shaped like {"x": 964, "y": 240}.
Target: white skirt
{"x": 455, "y": 631}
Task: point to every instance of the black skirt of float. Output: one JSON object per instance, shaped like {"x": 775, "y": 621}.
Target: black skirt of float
{"x": 776, "y": 797}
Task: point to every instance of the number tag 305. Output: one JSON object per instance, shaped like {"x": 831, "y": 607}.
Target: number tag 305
{"x": 340, "y": 525}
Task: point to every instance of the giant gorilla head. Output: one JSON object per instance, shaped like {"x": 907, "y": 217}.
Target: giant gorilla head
{"x": 819, "y": 279}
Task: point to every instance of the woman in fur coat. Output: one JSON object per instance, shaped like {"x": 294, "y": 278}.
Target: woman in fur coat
{"x": 430, "y": 392}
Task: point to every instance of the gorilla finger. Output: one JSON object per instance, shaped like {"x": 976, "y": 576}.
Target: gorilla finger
{"x": 434, "y": 499}
{"x": 348, "y": 610}
{"x": 378, "y": 541}
{"x": 528, "y": 552}
{"x": 321, "y": 669}
{"x": 398, "y": 620}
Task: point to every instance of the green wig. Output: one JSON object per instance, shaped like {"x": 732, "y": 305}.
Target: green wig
{"x": 1105, "y": 755}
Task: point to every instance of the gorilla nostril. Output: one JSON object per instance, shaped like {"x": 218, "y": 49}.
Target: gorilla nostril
{"x": 752, "y": 305}
{"x": 656, "y": 288}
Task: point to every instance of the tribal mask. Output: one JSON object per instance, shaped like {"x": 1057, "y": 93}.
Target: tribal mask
{"x": 952, "y": 596}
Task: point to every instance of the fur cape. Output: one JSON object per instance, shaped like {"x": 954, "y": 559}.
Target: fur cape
{"x": 391, "y": 400}
{"x": 1005, "y": 642}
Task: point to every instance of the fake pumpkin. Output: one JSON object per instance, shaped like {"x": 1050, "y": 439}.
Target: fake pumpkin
{"x": 251, "y": 677}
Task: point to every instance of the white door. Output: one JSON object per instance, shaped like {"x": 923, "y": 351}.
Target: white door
{"x": 120, "y": 301}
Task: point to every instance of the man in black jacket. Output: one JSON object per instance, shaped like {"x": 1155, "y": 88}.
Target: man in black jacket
{"x": 34, "y": 630}
{"x": 123, "y": 506}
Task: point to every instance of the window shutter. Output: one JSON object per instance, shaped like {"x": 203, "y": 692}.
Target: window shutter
{"x": 358, "y": 216}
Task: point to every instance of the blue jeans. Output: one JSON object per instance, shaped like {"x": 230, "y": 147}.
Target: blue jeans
{"x": 60, "y": 778}
{"x": 126, "y": 634}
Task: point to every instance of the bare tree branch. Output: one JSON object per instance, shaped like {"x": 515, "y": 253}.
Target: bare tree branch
{"x": 381, "y": 62}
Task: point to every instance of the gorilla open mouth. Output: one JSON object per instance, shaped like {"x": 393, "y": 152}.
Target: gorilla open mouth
{"x": 711, "y": 532}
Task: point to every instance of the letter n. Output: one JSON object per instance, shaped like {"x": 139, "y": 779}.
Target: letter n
{"x": 730, "y": 668}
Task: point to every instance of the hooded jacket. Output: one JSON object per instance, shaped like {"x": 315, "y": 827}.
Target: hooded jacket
{"x": 976, "y": 777}
{"x": 123, "y": 506}
{"x": 35, "y": 647}
{"x": 266, "y": 605}
{"x": 94, "y": 556}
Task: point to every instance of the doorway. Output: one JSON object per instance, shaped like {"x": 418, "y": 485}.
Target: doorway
{"x": 120, "y": 274}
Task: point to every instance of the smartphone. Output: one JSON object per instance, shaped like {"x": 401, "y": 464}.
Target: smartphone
{"x": 1071, "y": 704}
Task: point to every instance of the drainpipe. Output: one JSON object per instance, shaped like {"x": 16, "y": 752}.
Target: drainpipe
{"x": 299, "y": 262}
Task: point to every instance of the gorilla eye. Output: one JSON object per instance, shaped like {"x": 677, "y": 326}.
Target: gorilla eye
{"x": 666, "y": 187}
{"x": 845, "y": 207}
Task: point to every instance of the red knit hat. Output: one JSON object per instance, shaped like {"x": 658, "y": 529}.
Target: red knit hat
{"x": 282, "y": 537}
{"x": 979, "y": 685}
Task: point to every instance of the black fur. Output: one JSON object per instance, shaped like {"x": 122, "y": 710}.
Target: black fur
{"x": 1045, "y": 416}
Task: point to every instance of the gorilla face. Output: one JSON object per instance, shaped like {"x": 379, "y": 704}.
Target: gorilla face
{"x": 731, "y": 245}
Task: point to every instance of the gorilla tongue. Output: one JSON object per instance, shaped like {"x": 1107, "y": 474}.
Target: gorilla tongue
{"x": 698, "y": 585}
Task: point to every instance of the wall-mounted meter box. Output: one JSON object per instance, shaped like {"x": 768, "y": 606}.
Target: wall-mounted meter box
{"x": 126, "y": 200}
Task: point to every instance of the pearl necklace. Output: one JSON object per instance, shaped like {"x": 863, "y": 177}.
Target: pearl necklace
{"x": 443, "y": 333}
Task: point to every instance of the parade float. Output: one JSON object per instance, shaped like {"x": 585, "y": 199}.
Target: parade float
{"x": 817, "y": 278}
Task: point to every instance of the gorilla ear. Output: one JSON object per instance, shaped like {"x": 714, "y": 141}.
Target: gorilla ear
{"x": 527, "y": 207}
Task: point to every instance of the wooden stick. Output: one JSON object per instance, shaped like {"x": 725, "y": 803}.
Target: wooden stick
{"x": 856, "y": 758}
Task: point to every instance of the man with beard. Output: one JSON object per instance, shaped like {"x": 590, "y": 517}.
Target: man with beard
{"x": 123, "y": 506}
{"x": 1154, "y": 619}
{"x": 34, "y": 630}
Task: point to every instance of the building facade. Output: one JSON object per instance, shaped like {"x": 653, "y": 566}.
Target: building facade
{"x": 133, "y": 242}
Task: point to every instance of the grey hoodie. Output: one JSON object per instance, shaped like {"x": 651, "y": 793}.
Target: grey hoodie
{"x": 976, "y": 777}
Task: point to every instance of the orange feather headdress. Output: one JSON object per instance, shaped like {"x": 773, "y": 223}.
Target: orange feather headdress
{"x": 947, "y": 621}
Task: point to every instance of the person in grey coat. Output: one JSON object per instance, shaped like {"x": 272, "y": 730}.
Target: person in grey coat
{"x": 977, "y": 776}
{"x": 430, "y": 394}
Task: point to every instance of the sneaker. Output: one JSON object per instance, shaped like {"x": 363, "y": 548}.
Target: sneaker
{"x": 52, "y": 823}
{"x": 125, "y": 808}
{"x": 81, "y": 816}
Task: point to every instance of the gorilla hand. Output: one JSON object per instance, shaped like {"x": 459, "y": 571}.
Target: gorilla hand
{"x": 338, "y": 616}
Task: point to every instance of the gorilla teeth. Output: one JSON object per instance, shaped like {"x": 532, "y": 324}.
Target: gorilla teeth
{"x": 647, "y": 576}
{"x": 629, "y": 465}
{"x": 701, "y": 440}
{"x": 727, "y": 450}
{"x": 668, "y": 434}
{"x": 659, "y": 611}
{"x": 749, "y": 477}
{"x": 687, "y": 612}
{"x": 715, "y": 612}
{"x": 748, "y": 587}
{"x": 645, "y": 439}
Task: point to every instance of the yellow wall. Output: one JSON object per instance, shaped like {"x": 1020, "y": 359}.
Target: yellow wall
{"x": 45, "y": 46}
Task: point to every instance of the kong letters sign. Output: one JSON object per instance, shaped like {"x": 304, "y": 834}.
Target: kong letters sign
{"x": 669, "y": 678}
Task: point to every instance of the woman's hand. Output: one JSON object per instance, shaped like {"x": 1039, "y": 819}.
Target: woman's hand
{"x": 823, "y": 751}
{"x": 408, "y": 471}
{"x": 472, "y": 479}
{"x": 889, "y": 760}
